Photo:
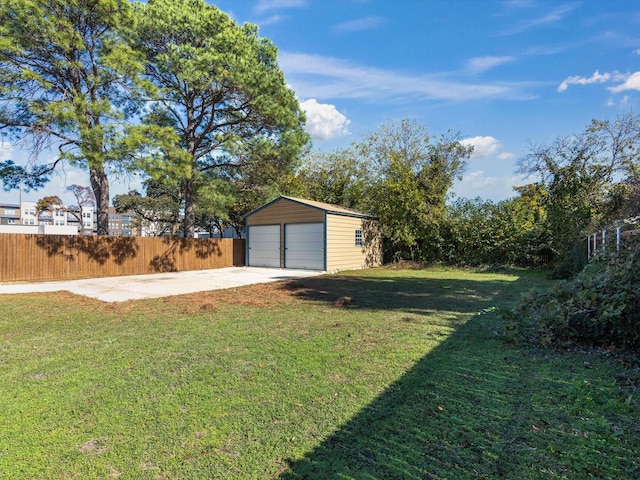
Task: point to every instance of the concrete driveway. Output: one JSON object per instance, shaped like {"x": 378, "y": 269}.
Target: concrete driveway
{"x": 134, "y": 287}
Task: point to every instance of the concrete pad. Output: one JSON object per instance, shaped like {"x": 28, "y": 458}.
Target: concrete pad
{"x": 135, "y": 287}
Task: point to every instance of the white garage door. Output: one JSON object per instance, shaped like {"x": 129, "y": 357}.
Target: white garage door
{"x": 304, "y": 246}
{"x": 264, "y": 246}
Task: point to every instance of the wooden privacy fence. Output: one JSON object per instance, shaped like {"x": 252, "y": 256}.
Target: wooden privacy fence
{"x": 65, "y": 257}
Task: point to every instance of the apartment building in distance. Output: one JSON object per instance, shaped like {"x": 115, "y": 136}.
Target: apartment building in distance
{"x": 24, "y": 218}
{"x": 10, "y": 214}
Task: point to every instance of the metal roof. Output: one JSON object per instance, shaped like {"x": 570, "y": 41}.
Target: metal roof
{"x": 326, "y": 207}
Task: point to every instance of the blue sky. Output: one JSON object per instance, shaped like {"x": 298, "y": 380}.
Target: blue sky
{"x": 505, "y": 74}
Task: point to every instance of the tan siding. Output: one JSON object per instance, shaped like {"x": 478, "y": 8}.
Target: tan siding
{"x": 342, "y": 252}
{"x": 285, "y": 211}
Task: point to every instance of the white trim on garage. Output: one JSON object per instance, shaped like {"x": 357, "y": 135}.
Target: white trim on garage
{"x": 263, "y": 246}
{"x": 304, "y": 246}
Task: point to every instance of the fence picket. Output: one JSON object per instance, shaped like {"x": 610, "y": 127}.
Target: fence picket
{"x": 62, "y": 257}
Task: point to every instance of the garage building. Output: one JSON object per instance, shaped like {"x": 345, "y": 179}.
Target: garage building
{"x": 296, "y": 233}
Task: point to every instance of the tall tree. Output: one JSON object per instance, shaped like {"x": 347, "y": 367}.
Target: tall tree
{"x": 221, "y": 91}
{"x": 410, "y": 177}
{"x": 65, "y": 81}
{"x": 337, "y": 177}
{"x": 588, "y": 179}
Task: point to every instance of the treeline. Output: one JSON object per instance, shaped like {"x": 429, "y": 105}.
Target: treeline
{"x": 580, "y": 183}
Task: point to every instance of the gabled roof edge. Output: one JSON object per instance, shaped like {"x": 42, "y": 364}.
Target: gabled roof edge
{"x": 301, "y": 201}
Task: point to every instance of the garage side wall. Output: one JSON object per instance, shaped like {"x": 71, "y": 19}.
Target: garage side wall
{"x": 342, "y": 251}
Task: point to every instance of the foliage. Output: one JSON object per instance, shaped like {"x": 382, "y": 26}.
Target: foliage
{"x": 67, "y": 80}
{"x": 84, "y": 198}
{"x": 398, "y": 174}
{"x": 257, "y": 182}
{"x": 600, "y": 306}
{"x": 219, "y": 88}
{"x": 481, "y": 232}
{"x": 586, "y": 179}
{"x": 409, "y": 178}
{"x": 337, "y": 178}
{"x": 51, "y": 202}
{"x": 215, "y": 203}
{"x": 157, "y": 212}
{"x": 15, "y": 176}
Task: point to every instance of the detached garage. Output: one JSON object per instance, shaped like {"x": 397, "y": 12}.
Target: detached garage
{"x": 295, "y": 233}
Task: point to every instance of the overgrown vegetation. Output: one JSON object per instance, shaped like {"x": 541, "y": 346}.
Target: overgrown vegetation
{"x": 600, "y": 306}
{"x": 583, "y": 182}
{"x": 410, "y": 379}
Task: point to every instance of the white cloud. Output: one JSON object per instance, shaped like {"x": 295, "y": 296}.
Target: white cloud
{"x": 629, "y": 81}
{"x": 324, "y": 121}
{"x": 597, "y": 77}
{"x": 632, "y": 82}
{"x": 361, "y": 24}
{"x": 624, "y": 102}
{"x": 483, "y": 147}
{"x": 315, "y": 76}
{"x": 273, "y": 19}
{"x": 481, "y": 64}
{"x": 266, "y": 5}
{"x": 554, "y": 16}
{"x": 479, "y": 184}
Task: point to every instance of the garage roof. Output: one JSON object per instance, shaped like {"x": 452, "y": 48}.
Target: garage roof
{"x": 326, "y": 207}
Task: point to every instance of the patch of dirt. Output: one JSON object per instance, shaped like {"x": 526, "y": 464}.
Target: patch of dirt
{"x": 95, "y": 446}
{"x": 262, "y": 295}
{"x": 343, "y": 302}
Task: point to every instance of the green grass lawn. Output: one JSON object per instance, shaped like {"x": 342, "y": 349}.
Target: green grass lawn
{"x": 409, "y": 379}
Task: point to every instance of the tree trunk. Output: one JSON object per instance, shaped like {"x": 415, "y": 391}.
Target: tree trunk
{"x": 189, "y": 229}
{"x": 100, "y": 186}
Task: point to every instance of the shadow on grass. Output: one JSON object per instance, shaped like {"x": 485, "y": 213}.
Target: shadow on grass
{"x": 417, "y": 295}
{"x": 458, "y": 413}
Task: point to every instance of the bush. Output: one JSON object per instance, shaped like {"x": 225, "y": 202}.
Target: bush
{"x": 600, "y": 306}
{"x": 570, "y": 264}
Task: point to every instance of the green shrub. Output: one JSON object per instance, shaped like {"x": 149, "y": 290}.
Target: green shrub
{"x": 600, "y": 306}
{"x": 569, "y": 264}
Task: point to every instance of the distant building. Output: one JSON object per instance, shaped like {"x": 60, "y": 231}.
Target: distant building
{"x": 10, "y": 214}
{"x": 121, "y": 224}
{"x": 23, "y": 218}
{"x": 28, "y": 213}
